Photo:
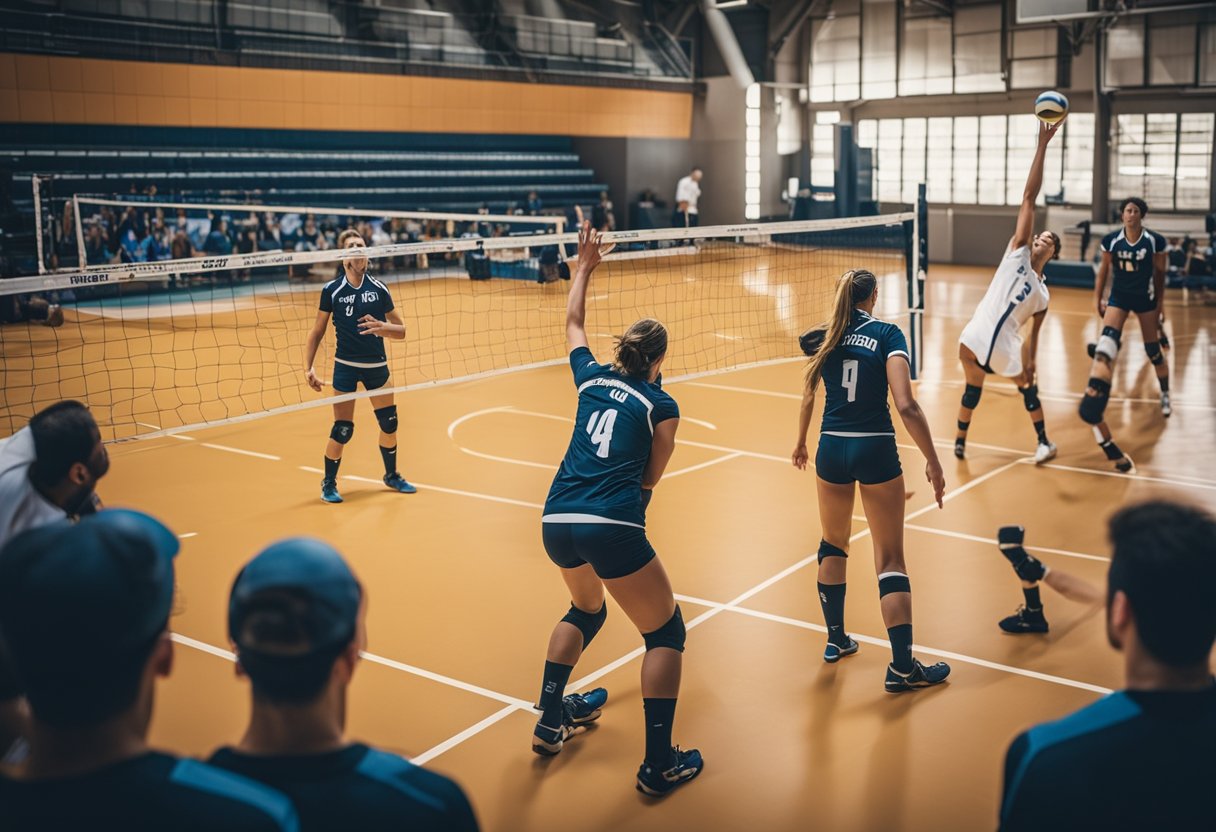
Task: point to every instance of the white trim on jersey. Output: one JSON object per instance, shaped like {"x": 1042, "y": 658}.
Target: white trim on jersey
{"x": 375, "y": 282}
{"x": 900, "y": 352}
{"x": 361, "y": 365}
{"x": 620, "y": 385}
{"x": 589, "y": 518}
{"x": 848, "y": 434}
{"x": 334, "y": 294}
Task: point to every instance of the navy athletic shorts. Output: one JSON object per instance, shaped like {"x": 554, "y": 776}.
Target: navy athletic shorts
{"x": 613, "y": 550}
{"x": 869, "y": 460}
{"x": 347, "y": 378}
{"x": 1133, "y": 301}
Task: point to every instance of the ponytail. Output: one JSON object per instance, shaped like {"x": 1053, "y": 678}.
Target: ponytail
{"x": 853, "y": 287}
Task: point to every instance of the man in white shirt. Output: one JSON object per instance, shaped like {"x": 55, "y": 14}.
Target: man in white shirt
{"x": 688, "y": 191}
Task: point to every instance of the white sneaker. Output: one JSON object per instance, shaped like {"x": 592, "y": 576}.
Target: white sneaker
{"x": 1045, "y": 452}
{"x": 1166, "y": 410}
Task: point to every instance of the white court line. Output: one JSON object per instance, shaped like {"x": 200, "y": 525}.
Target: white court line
{"x": 698, "y": 467}
{"x": 442, "y": 490}
{"x": 546, "y": 466}
{"x": 774, "y": 393}
{"x": 994, "y": 542}
{"x": 1190, "y": 483}
{"x": 725, "y": 337}
{"x": 180, "y": 436}
{"x": 1064, "y": 396}
{"x": 700, "y": 422}
{"x": 215, "y": 447}
{"x": 148, "y": 425}
{"x": 187, "y": 535}
{"x": 450, "y": 743}
{"x": 446, "y": 680}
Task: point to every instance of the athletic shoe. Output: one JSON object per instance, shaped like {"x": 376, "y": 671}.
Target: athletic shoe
{"x": 686, "y": 766}
{"x": 548, "y": 742}
{"x": 578, "y": 710}
{"x": 1027, "y": 567}
{"x": 329, "y": 492}
{"x": 397, "y": 482}
{"x": 835, "y": 652}
{"x": 919, "y": 677}
{"x": 1024, "y": 621}
{"x": 1044, "y": 453}
{"x": 1125, "y": 465}
{"x": 1166, "y": 409}
{"x": 1092, "y": 349}
{"x": 585, "y": 707}
{"x": 960, "y": 448}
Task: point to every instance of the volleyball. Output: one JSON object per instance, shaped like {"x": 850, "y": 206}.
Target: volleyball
{"x": 1051, "y": 106}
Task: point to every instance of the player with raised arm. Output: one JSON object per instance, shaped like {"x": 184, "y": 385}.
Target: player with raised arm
{"x": 363, "y": 316}
{"x": 594, "y": 529}
{"x": 859, "y": 359}
{"x": 1138, "y": 259}
{"x": 991, "y": 342}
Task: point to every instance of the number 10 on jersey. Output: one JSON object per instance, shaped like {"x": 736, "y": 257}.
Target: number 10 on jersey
{"x": 600, "y": 428}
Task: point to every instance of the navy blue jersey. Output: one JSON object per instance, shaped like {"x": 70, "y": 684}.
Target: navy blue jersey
{"x": 855, "y": 378}
{"x": 347, "y": 305}
{"x": 1132, "y": 760}
{"x": 600, "y": 478}
{"x": 358, "y": 788}
{"x": 151, "y": 792}
{"x": 1132, "y": 263}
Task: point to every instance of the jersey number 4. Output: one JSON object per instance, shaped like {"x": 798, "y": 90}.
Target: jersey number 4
{"x": 600, "y": 428}
{"x": 848, "y": 378}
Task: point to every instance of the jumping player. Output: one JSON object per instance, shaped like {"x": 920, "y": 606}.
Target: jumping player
{"x": 861, "y": 357}
{"x": 992, "y": 342}
{"x": 363, "y": 315}
{"x": 1138, "y": 258}
{"x": 594, "y": 528}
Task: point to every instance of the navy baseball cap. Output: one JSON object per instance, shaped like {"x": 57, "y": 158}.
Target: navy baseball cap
{"x": 308, "y": 586}
{"x": 82, "y": 594}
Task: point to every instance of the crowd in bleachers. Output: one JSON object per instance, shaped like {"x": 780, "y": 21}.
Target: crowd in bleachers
{"x": 1191, "y": 263}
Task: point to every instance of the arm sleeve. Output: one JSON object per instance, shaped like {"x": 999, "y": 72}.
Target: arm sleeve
{"x": 583, "y": 364}
{"x": 1107, "y": 242}
{"x": 665, "y": 408}
{"x": 1159, "y": 242}
{"x": 389, "y": 306}
{"x": 327, "y": 301}
{"x": 894, "y": 343}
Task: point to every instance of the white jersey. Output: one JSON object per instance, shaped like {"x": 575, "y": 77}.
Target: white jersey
{"x": 1015, "y": 294}
{"x": 21, "y": 506}
{"x": 687, "y": 190}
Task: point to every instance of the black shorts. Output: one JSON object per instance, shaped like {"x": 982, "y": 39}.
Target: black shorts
{"x": 869, "y": 460}
{"x": 347, "y": 378}
{"x": 1133, "y": 301}
{"x": 613, "y": 550}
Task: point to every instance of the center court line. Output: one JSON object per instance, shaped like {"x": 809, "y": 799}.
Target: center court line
{"x": 259, "y": 455}
{"x": 698, "y": 467}
{"x": 995, "y": 542}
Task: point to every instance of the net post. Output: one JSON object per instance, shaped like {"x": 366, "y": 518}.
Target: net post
{"x": 36, "y": 183}
{"x": 916, "y": 253}
{"x": 82, "y": 258}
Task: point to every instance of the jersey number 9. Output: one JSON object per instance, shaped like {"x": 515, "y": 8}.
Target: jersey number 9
{"x": 600, "y": 428}
{"x": 848, "y": 378}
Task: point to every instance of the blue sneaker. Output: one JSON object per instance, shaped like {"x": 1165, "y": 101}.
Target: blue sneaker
{"x": 835, "y": 652}
{"x": 329, "y": 492}
{"x": 919, "y": 677}
{"x": 585, "y": 707}
{"x": 397, "y": 482}
{"x": 686, "y": 766}
{"x": 578, "y": 711}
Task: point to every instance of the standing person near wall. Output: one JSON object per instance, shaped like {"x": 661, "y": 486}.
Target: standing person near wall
{"x": 688, "y": 191}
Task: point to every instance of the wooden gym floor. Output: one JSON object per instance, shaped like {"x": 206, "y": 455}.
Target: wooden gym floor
{"x": 462, "y": 597}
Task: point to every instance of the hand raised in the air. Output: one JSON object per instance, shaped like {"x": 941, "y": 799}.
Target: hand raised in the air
{"x": 591, "y": 249}
{"x": 800, "y": 457}
{"x": 1048, "y": 131}
{"x": 315, "y": 383}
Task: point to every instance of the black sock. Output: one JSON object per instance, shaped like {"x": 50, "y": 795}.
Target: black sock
{"x": 552, "y": 689}
{"x": 1033, "y": 602}
{"x": 1111, "y": 450}
{"x": 1041, "y": 429}
{"x": 331, "y": 469}
{"x": 831, "y": 598}
{"x": 1165, "y": 383}
{"x": 660, "y": 714}
{"x": 901, "y": 647}
{"x": 389, "y": 455}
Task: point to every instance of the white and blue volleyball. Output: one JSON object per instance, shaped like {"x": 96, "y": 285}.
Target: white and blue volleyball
{"x": 1051, "y": 106}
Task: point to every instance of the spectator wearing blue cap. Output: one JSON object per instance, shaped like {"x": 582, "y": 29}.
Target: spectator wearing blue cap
{"x": 84, "y": 611}
{"x": 296, "y": 619}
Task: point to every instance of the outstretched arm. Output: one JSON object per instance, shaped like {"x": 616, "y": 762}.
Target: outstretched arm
{"x": 589, "y": 256}
{"x": 1034, "y": 182}
{"x": 311, "y": 343}
{"x": 1160, "y": 265}
{"x": 1100, "y": 283}
{"x": 899, "y": 378}
{"x": 800, "y": 455}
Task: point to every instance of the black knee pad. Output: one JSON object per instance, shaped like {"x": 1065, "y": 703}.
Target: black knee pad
{"x": 1030, "y": 397}
{"x": 889, "y": 582}
{"x": 827, "y": 550}
{"x": 342, "y": 431}
{"x": 1092, "y": 407}
{"x": 588, "y": 623}
{"x": 387, "y": 417}
{"x": 1153, "y": 348}
{"x": 963, "y": 426}
{"x": 971, "y": 396}
{"x": 670, "y": 634}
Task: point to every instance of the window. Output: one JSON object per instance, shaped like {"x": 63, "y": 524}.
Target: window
{"x": 966, "y": 157}
{"x": 940, "y": 160}
{"x": 1164, "y": 157}
{"x": 925, "y": 59}
{"x": 1033, "y": 62}
{"x": 1125, "y": 53}
{"x": 977, "y": 49}
{"x": 992, "y": 160}
{"x": 1194, "y": 173}
{"x": 751, "y": 159}
{"x": 1077, "y": 180}
{"x": 912, "y": 164}
{"x": 835, "y": 58}
{"x": 1171, "y": 57}
{"x": 878, "y": 49}
{"x": 887, "y": 161}
{"x": 789, "y": 123}
{"x": 1207, "y": 58}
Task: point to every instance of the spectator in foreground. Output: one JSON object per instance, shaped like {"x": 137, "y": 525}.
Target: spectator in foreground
{"x": 296, "y": 618}
{"x": 84, "y": 612}
{"x": 1140, "y": 758}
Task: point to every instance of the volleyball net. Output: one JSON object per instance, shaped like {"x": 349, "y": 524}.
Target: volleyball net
{"x": 166, "y": 345}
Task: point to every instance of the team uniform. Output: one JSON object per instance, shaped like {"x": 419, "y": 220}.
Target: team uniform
{"x": 357, "y": 357}
{"x": 1132, "y": 760}
{"x": 358, "y": 787}
{"x": 1132, "y": 286}
{"x": 150, "y": 792}
{"x": 857, "y": 438}
{"x": 594, "y": 512}
{"x": 1015, "y": 294}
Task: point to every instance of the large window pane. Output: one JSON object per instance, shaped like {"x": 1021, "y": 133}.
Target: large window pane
{"x": 1021, "y": 143}
{"x": 878, "y": 49}
{"x": 888, "y": 159}
{"x": 1171, "y": 58}
{"x": 1125, "y": 54}
{"x": 940, "y": 161}
{"x": 915, "y": 136}
{"x": 1194, "y": 176}
{"x": 992, "y": 160}
{"x": 823, "y": 155}
{"x": 925, "y": 64}
{"x": 966, "y": 156}
{"x": 977, "y": 49}
{"x": 835, "y": 54}
{"x": 1078, "y": 180}
{"x": 1207, "y": 58}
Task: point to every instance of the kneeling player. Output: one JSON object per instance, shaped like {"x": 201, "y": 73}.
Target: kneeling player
{"x": 1029, "y": 618}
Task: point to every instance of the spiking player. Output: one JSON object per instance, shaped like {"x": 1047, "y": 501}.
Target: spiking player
{"x": 363, "y": 315}
{"x": 992, "y": 342}
{"x": 858, "y": 360}
{"x": 1138, "y": 258}
{"x": 594, "y": 529}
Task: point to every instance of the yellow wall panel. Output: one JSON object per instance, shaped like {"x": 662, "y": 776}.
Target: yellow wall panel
{"x": 180, "y": 94}
{"x": 10, "y": 106}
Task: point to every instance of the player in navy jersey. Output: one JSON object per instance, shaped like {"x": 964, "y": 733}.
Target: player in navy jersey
{"x": 1138, "y": 260}
{"x": 859, "y": 359}
{"x": 363, "y": 315}
{"x": 594, "y": 528}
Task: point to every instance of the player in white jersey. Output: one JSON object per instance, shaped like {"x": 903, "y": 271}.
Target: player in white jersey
{"x": 992, "y": 340}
